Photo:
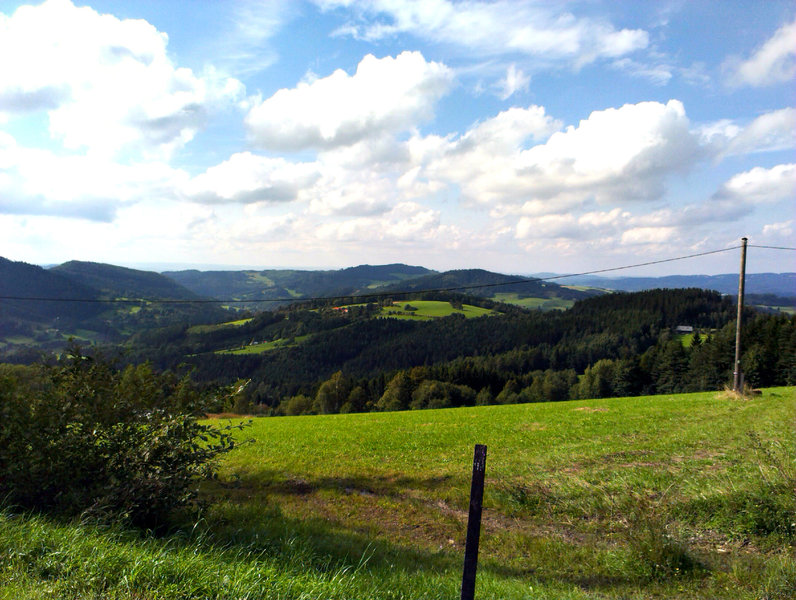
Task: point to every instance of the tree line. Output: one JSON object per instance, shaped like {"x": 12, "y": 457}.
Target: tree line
{"x": 620, "y": 344}
{"x": 612, "y": 345}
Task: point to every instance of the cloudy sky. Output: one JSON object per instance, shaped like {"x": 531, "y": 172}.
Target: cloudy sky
{"x": 516, "y": 136}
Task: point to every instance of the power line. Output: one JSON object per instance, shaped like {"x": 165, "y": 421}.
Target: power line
{"x": 372, "y": 295}
{"x": 771, "y": 247}
{"x": 654, "y": 262}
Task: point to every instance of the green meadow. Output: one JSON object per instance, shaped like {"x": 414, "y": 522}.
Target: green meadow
{"x": 431, "y": 309}
{"x": 198, "y": 329}
{"x": 686, "y": 496}
{"x": 534, "y": 303}
{"x": 261, "y": 347}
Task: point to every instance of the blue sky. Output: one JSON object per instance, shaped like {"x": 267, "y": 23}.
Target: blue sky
{"x": 513, "y": 136}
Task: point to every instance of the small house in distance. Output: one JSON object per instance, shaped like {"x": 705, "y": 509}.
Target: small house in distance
{"x": 684, "y": 329}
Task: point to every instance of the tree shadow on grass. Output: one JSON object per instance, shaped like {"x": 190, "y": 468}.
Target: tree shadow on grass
{"x": 246, "y": 511}
{"x": 247, "y": 515}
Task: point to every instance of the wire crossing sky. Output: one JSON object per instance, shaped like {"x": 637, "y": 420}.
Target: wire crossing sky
{"x": 510, "y": 135}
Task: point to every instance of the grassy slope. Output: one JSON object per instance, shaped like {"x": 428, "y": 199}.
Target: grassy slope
{"x": 432, "y": 309}
{"x": 261, "y": 347}
{"x": 374, "y": 506}
{"x": 198, "y": 329}
{"x": 533, "y": 303}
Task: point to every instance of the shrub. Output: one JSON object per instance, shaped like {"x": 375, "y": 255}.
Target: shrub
{"x": 84, "y": 437}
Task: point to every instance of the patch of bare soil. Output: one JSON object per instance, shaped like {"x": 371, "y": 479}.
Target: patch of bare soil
{"x": 532, "y": 427}
{"x": 591, "y": 409}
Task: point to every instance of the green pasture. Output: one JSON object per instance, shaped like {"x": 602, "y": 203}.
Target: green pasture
{"x": 431, "y": 309}
{"x": 199, "y": 329}
{"x": 19, "y": 339}
{"x": 260, "y": 278}
{"x": 261, "y": 347}
{"x": 534, "y": 303}
{"x": 686, "y": 496}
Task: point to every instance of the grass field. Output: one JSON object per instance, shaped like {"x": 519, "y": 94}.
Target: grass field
{"x": 533, "y": 303}
{"x": 431, "y": 309}
{"x": 198, "y": 329}
{"x": 687, "y": 496}
{"x": 266, "y": 346}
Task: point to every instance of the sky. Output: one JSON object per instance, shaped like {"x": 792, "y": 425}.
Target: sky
{"x": 515, "y": 136}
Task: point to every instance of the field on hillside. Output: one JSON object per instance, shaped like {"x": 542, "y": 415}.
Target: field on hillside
{"x": 194, "y": 329}
{"x": 687, "y": 496}
{"x": 260, "y": 347}
{"x": 431, "y": 309}
{"x": 534, "y": 303}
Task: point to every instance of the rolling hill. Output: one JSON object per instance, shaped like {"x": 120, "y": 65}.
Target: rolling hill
{"x": 269, "y": 285}
{"x": 778, "y": 284}
{"x": 486, "y": 284}
{"x": 24, "y": 280}
{"x": 120, "y": 282}
{"x": 43, "y": 308}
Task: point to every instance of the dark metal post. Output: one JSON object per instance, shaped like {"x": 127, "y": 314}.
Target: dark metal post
{"x": 474, "y": 523}
{"x": 736, "y": 376}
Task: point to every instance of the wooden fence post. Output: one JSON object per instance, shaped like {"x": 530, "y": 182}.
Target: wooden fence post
{"x": 474, "y": 523}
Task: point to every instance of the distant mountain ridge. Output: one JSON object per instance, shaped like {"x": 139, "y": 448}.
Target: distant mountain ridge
{"x": 43, "y": 308}
{"x": 121, "y": 282}
{"x": 288, "y": 283}
{"x": 24, "y": 280}
{"x": 470, "y": 281}
{"x": 779, "y": 284}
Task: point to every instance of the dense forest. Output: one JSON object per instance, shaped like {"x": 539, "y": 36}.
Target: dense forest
{"x": 611, "y": 345}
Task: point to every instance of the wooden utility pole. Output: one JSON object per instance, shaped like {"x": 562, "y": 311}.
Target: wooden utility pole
{"x": 737, "y": 375}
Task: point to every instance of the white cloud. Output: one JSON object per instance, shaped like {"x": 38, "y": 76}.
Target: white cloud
{"x": 384, "y": 95}
{"x": 41, "y": 182}
{"x": 774, "y": 62}
{"x": 567, "y": 225}
{"x": 782, "y": 230}
{"x": 494, "y": 28}
{"x": 515, "y": 81}
{"x": 247, "y": 178}
{"x": 658, "y": 74}
{"x": 760, "y": 185}
{"x": 616, "y": 155}
{"x": 247, "y": 47}
{"x": 648, "y": 235}
{"x": 771, "y": 131}
{"x": 548, "y": 226}
{"x": 345, "y": 193}
{"x": 407, "y": 222}
{"x": 107, "y": 83}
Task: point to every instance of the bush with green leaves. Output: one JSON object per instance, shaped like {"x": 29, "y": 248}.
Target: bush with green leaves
{"x": 83, "y": 437}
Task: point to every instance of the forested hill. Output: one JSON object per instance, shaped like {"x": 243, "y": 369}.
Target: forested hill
{"x": 121, "y": 282}
{"x": 469, "y": 281}
{"x": 30, "y": 281}
{"x": 297, "y": 284}
{"x": 618, "y": 344}
{"x": 44, "y": 308}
